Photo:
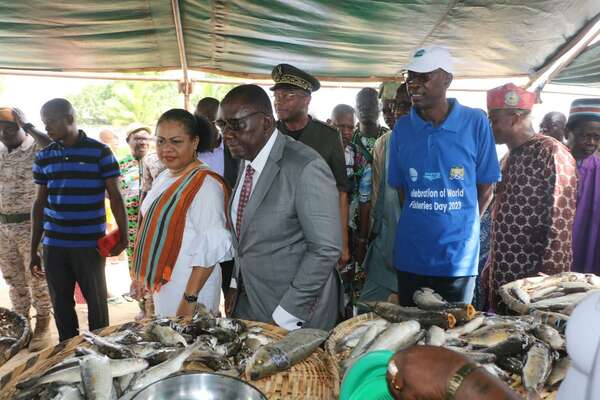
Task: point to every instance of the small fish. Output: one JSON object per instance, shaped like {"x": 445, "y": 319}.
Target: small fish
{"x": 514, "y": 344}
{"x": 374, "y": 330}
{"x": 537, "y": 367}
{"x": 550, "y": 336}
{"x": 436, "y": 336}
{"x": 559, "y": 303}
{"x": 108, "y": 348}
{"x": 539, "y": 294}
{"x": 575, "y": 287}
{"x": 293, "y": 348}
{"x": 467, "y": 328}
{"x": 167, "y": 335}
{"x": 67, "y": 392}
{"x": 427, "y": 299}
{"x": 96, "y": 377}
{"x": 397, "y": 337}
{"x": 351, "y": 339}
{"x": 510, "y": 364}
{"x": 144, "y": 349}
{"x": 559, "y": 371}
{"x": 521, "y": 295}
{"x": 162, "y": 370}
{"x": 160, "y": 355}
{"x": 489, "y": 336}
{"x": 64, "y": 375}
{"x": 396, "y": 313}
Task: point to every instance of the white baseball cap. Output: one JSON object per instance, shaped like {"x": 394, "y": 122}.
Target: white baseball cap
{"x": 427, "y": 59}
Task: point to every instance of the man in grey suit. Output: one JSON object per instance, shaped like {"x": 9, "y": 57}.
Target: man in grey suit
{"x": 285, "y": 220}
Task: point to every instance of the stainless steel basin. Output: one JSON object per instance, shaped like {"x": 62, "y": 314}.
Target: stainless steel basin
{"x": 200, "y": 386}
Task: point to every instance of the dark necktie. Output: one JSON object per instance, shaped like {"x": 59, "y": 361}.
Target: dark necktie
{"x": 244, "y": 197}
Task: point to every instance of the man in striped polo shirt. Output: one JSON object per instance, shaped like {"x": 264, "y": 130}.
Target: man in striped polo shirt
{"x": 72, "y": 175}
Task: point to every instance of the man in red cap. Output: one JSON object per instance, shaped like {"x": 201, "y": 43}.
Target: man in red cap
{"x": 535, "y": 201}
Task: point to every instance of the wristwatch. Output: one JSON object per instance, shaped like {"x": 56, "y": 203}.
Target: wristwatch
{"x": 190, "y": 298}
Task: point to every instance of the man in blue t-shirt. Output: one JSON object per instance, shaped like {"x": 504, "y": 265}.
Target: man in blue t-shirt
{"x": 72, "y": 175}
{"x": 443, "y": 162}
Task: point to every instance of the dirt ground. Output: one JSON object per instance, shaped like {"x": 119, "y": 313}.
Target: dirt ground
{"x": 120, "y": 310}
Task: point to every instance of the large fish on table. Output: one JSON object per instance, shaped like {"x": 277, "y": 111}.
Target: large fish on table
{"x": 397, "y": 337}
{"x": 96, "y": 377}
{"x": 537, "y": 367}
{"x": 281, "y": 355}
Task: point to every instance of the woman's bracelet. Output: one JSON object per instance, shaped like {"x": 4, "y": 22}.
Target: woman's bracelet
{"x": 458, "y": 378}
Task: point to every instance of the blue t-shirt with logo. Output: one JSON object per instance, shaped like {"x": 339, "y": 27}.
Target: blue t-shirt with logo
{"x": 438, "y": 169}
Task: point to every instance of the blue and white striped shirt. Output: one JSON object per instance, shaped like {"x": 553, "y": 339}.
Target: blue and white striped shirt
{"x": 75, "y": 176}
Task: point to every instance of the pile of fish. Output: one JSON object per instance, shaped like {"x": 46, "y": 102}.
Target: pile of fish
{"x": 523, "y": 351}
{"x": 119, "y": 365}
{"x": 558, "y": 293}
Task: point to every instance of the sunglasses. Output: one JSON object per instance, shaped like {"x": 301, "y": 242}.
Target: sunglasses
{"x": 235, "y": 124}
{"x": 418, "y": 77}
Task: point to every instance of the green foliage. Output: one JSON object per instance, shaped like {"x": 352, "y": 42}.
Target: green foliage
{"x": 120, "y": 103}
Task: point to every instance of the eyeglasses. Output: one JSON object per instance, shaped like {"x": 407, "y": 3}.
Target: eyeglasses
{"x": 235, "y": 124}
{"x": 287, "y": 96}
{"x": 418, "y": 77}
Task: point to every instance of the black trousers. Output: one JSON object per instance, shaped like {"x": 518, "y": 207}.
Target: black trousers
{"x": 452, "y": 289}
{"x": 64, "y": 266}
{"x": 226, "y": 272}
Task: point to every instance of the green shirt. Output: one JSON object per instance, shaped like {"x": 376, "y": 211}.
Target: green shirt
{"x": 327, "y": 141}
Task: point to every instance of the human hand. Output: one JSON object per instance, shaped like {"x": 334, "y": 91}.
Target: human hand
{"x": 35, "y": 266}
{"x": 136, "y": 290}
{"x": 20, "y": 118}
{"x": 230, "y": 300}
{"x": 345, "y": 258}
{"x": 422, "y": 372}
{"x": 119, "y": 247}
{"x": 186, "y": 309}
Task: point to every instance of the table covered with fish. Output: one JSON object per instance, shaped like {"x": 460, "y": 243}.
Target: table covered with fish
{"x": 526, "y": 351}
{"x": 119, "y": 362}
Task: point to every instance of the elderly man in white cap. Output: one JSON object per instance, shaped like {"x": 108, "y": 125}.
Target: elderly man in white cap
{"x": 443, "y": 163}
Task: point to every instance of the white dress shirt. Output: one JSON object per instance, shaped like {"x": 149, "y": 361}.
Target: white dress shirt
{"x": 281, "y": 317}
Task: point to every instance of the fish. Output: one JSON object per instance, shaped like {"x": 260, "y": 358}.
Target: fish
{"x": 521, "y": 294}
{"x": 539, "y": 294}
{"x": 396, "y": 337}
{"x": 427, "y": 299}
{"x": 351, "y": 339}
{"x": 467, "y": 328}
{"x": 213, "y": 361}
{"x": 108, "y": 348}
{"x": 164, "y": 369}
{"x": 475, "y": 356}
{"x": 374, "y": 330}
{"x": 160, "y": 355}
{"x": 252, "y": 341}
{"x": 126, "y": 337}
{"x": 556, "y": 320}
{"x": 167, "y": 335}
{"x": 510, "y": 364}
{"x": 559, "y": 371}
{"x": 537, "y": 367}
{"x": 396, "y": 313}
{"x": 514, "y": 344}
{"x": 96, "y": 377}
{"x": 235, "y": 325}
{"x": 489, "y": 336}
{"x": 575, "y": 287}
{"x": 559, "y": 303}
{"x": 67, "y": 392}
{"x": 550, "y": 336}
{"x": 144, "y": 349}
{"x": 124, "y": 381}
{"x": 436, "y": 336}
{"x": 293, "y": 348}
{"x": 462, "y": 314}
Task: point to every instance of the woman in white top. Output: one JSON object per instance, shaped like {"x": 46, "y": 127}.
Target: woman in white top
{"x": 183, "y": 235}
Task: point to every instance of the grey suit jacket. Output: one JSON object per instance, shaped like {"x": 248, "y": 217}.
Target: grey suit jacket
{"x": 290, "y": 239}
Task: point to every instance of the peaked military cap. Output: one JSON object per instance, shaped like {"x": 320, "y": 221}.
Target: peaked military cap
{"x": 286, "y": 75}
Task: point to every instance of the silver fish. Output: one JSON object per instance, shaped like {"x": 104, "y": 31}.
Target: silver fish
{"x": 550, "y": 336}
{"x": 489, "y": 336}
{"x": 436, "y": 336}
{"x": 231, "y": 324}
{"x": 64, "y": 375}
{"x": 537, "y": 367}
{"x": 521, "y": 295}
{"x": 164, "y": 369}
{"x": 167, "y": 335}
{"x": 144, "y": 349}
{"x": 467, "y": 328}
{"x": 427, "y": 299}
{"x": 539, "y": 294}
{"x": 559, "y": 303}
{"x": 96, "y": 377}
{"x": 107, "y": 347}
{"x": 352, "y": 339}
{"x": 369, "y": 336}
{"x": 397, "y": 337}
{"x": 295, "y": 347}
{"x": 68, "y": 392}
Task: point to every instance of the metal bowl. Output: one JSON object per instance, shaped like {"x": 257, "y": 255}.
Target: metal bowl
{"x": 200, "y": 386}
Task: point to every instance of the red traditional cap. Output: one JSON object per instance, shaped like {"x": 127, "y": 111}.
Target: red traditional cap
{"x": 510, "y": 96}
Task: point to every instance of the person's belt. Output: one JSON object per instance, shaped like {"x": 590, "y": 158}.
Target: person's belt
{"x": 14, "y": 218}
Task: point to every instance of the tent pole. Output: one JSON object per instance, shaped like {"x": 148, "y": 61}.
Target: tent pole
{"x": 566, "y": 55}
{"x": 186, "y": 85}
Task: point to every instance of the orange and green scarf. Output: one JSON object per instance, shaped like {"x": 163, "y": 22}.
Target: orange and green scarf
{"x": 161, "y": 232}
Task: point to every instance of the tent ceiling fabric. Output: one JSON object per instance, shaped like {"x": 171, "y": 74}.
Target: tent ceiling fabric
{"x": 583, "y": 71}
{"x": 350, "y": 39}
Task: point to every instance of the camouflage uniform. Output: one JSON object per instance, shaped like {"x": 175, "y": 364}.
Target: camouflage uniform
{"x": 17, "y": 193}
